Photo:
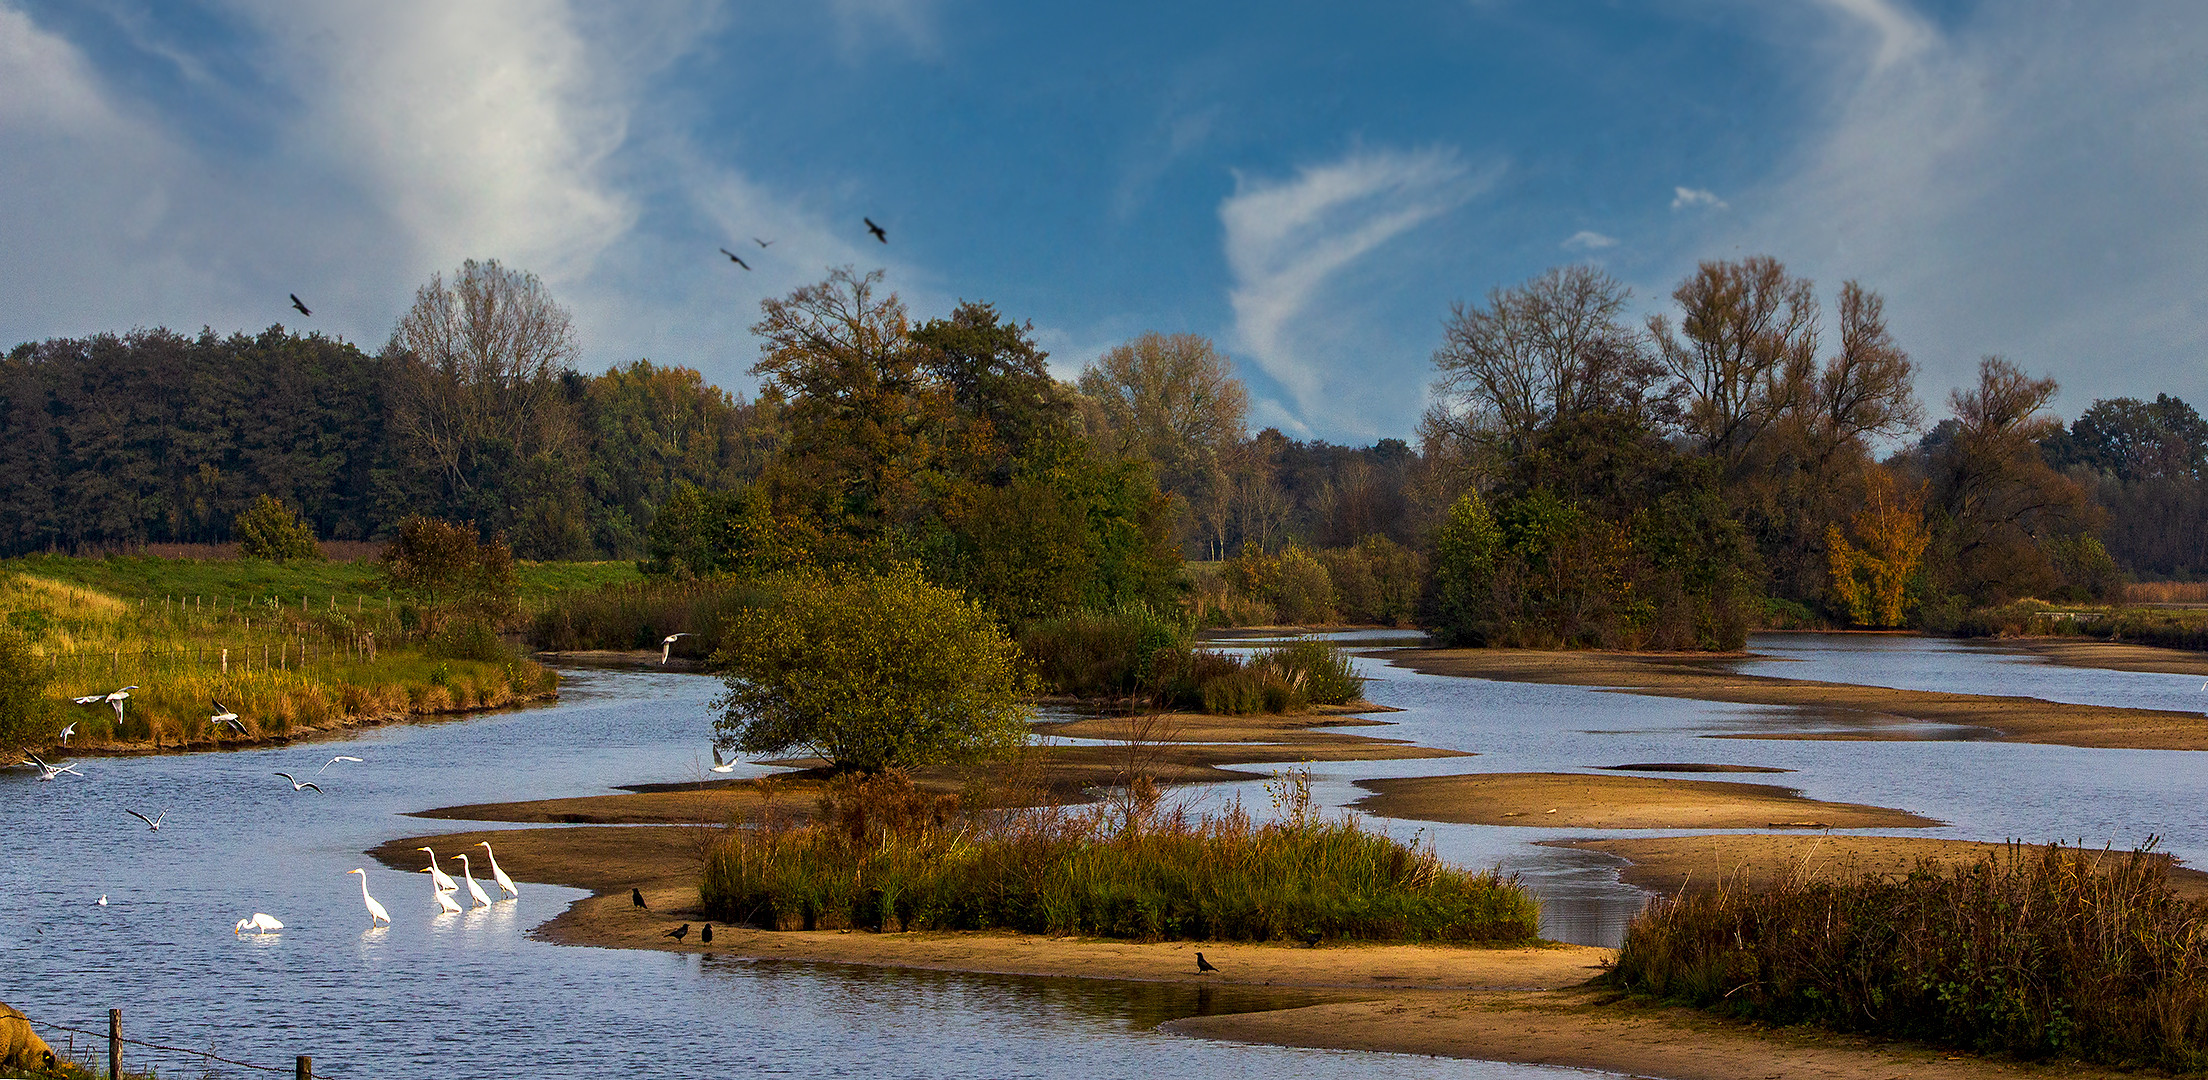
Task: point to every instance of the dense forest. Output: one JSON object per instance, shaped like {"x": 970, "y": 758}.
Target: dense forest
{"x": 1581, "y": 479}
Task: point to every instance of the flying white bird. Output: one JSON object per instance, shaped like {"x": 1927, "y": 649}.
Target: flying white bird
{"x": 227, "y": 716}
{"x": 376, "y": 913}
{"x": 116, "y": 699}
{"x": 68, "y": 731}
{"x": 300, "y": 785}
{"x": 443, "y": 880}
{"x": 475, "y": 891}
{"x": 263, "y": 922}
{"x": 722, "y": 766}
{"x": 334, "y": 761}
{"x": 504, "y": 883}
{"x": 667, "y": 645}
{"x": 48, "y": 772}
{"x": 154, "y": 822}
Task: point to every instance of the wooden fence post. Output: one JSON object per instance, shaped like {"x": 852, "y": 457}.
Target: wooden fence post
{"x": 114, "y": 1044}
{"x": 303, "y": 1069}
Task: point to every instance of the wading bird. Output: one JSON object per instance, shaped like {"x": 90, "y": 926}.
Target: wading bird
{"x": 228, "y": 718}
{"x": 444, "y": 880}
{"x": 875, "y": 229}
{"x": 68, "y": 731}
{"x": 1203, "y": 965}
{"x": 301, "y": 785}
{"x": 102, "y": 901}
{"x": 475, "y": 891}
{"x": 376, "y": 913}
{"x": 718, "y": 764}
{"x": 732, "y": 258}
{"x": 636, "y": 897}
{"x": 302, "y": 306}
{"x": 262, "y": 922}
{"x": 677, "y": 933}
{"x": 667, "y": 645}
{"x": 445, "y": 903}
{"x": 334, "y": 761}
{"x": 505, "y": 884}
{"x": 154, "y": 822}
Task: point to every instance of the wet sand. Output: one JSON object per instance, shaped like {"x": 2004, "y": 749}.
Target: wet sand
{"x": 1580, "y": 801}
{"x": 1877, "y": 713}
{"x": 2114, "y": 655}
{"x": 1668, "y": 864}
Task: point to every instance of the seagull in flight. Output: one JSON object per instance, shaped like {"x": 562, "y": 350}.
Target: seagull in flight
{"x": 48, "y": 772}
{"x": 300, "y": 785}
{"x": 226, "y": 716}
{"x": 68, "y": 731}
{"x": 153, "y": 822}
{"x": 113, "y": 697}
{"x": 300, "y": 304}
{"x": 762, "y": 243}
{"x": 333, "y": 761}
{"x": 732, "y": 258}
{"x": 875, "y": 229}
{"x": 718, "y": 764}
{"x": 667, "y": 645}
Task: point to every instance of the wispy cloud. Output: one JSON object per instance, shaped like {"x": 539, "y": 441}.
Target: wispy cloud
{"x": 1902, "y": 34}
{"x": 1588, "y": 240}
{"x": 1287, "y": 238}
{"x": 1686, "y": 198}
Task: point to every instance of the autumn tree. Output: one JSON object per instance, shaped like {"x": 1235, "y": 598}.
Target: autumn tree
{"x": 651, "y": 429}
{"x": 1871, "y": 577}
{"x": 1743, "y": 352}
{"x": 1173, "y": 400}
{"x": 271, "y": 530}
{"x": 450, "y": 575}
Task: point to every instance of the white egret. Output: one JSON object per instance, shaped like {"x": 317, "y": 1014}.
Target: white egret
{"x": 667, "y": 646}
{"x": 445, "y": 903}
{"x": 504, "y": 883}
{"x": 376, "y": 913}
{"x": 263, "y": 922}
{"x": 475, "y": 891}
{"x": 300, "y": 785}
{"x": 154, "y": 822}
{"x": 334, "y": 761}
{"x": 444, "y": 880}
{"x": 722, "y": 766}
{"x": 227, "y": 716}
{"x": 68, "y": 731}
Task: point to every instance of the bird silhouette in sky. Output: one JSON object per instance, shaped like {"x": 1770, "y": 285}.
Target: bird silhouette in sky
{"x": 762, "y": 243}
{"x": 732, "y": 258}
{"x": 300, "y": 304}
{"x": 875, "y": 229}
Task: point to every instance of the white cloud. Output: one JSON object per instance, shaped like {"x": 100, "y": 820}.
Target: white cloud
{"x": 1902, "y": 34}
{"x": 1588, "y": 240}
{"x": 1683, "y": 198}
{"x": 1286, "y": 238}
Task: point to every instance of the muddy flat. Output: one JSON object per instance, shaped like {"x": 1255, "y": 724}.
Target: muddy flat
{"x": 1580, "y": 801}
{"x": 1666, "y": 865}
{"x": 1876, "y": 713}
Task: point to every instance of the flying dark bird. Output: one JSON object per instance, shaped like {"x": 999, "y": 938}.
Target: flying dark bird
{"x": 875, "y": 229}
{"x": 677, "y": 933}
{"x": 300, "y": 304}
{"x": 636, "y": 896}
{"x": 732, "y": 258}
{"x": 762, "y": 243}
{"x": 1203, "y": 965}
{"x": 706, "y": 934}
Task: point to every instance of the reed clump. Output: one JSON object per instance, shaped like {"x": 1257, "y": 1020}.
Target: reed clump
{"x": 2060, "y": 952}
{"x": 884, "y": 855}
{"x": 1133, "y": 652}
{"x": 639, "y": 614}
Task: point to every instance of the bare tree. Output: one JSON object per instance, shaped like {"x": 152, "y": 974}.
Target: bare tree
{"x": 1744, "y": 353}
{"x": 1541, "y": 352}
{"x": 1866, "y": 390}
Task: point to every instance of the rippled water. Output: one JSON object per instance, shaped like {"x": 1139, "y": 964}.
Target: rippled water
{"x": 471, "y": 994}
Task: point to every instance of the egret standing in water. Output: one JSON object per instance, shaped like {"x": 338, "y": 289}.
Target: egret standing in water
{"x": 376, "y": 913}
{"x": 262, "y": 922}
{"x": 443, "y": 880}
{"x": 475, "y": 891}
{"x": 445, "y": 903}
{"x": 667, "y": 646}
{"x": 505, "y": 884}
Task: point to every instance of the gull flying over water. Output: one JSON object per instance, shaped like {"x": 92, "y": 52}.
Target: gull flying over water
{"x": 154, "y": 822}
{"x": 333, "y": 761}
{"x": 301, "y": 785}
{"x": 68, "y": 731}
{"x": 667, "y": 645}
{"x": 228, "y": 717}
{"x": 718, "y": 764}
{"x": 45, "y": 771}
{"x": 112, "y": 697}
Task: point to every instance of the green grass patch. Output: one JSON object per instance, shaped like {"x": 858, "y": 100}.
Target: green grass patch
{"x": 2060, "y": 953}
{"x": 885, "y": 856}
{"x": 152, "y": 579}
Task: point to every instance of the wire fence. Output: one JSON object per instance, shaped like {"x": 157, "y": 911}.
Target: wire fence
{"x": 301, "y": 1068}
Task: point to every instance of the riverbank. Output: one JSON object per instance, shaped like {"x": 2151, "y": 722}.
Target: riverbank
{"x": 1580, "y": 801}
{"x": 1872, "y": 712}
{"x": 1670, "y": 864}
{"x": 434, "y": 708}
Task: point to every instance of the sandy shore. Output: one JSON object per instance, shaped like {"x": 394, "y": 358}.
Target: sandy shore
{"x": 1874, "y": 713}
{"x": 2114, "y": 655}
{"x": 1668, "y": 864}
{"x": 1579, "y": 801}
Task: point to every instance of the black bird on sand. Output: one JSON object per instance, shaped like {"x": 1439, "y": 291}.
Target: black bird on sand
{"x": 300, "y": 304}
{"x": 875, "y": 229}
{"x": 677, "y": 932}
{"x": 732, "y": 258}
{"x": 1310, "y": 938}
{"x": 636, "y": 896}
{"x": 705, "y": 934}
{"x": 1203, "y": 965}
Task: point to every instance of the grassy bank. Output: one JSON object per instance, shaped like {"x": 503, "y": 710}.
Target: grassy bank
{"x": 2058, "y": 954}
{"x": 883, "y": 855}
{"x": 144, "y": 580}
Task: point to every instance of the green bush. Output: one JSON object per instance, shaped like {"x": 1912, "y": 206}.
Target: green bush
{"x": 26, "y": 711}
{"x": 1323, "y": 670}
{"x": 268, "y": 529}
{"x": 1112, "y": 653}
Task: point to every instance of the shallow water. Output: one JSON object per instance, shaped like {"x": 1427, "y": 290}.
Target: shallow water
{"x": 472, "y": 994}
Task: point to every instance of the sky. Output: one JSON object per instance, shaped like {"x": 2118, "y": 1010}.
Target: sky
{"x": 1310, "y": 185}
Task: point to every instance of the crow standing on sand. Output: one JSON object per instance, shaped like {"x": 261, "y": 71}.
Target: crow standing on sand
{"x": 875, "y": 229}
{"x": 300, "y": 304}
{"x": 706, "y": 934}
{"x": 677, "y": 933}
{"x": 636, "y": 896}
{"x": 1203, "y": 965}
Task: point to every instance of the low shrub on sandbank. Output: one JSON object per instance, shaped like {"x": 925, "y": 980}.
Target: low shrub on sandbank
{"x": 884, "y": 855}
{"x": 2058, "y": 953}
{"x": 1134, "y": 653}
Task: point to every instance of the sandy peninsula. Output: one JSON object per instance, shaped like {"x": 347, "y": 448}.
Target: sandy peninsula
{"x": 1873, "y": 712}
{"x": 1580, "y": 801}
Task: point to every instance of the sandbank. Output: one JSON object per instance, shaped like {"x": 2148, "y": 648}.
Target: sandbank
{"x": 2114, "y": 655}
{"x": 1876, "y": 713}
{"x": 1669, "y": 864}
{"x": 1581, "y": 801}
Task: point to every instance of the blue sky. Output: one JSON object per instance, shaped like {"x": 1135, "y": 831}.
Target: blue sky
{"x": 1310, "y": 185}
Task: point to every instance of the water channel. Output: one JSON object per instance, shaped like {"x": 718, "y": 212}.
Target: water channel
{"x": 474, "y": 995}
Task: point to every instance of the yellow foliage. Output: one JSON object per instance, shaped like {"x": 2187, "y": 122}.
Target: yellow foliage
{"x": 1871, "y": 577}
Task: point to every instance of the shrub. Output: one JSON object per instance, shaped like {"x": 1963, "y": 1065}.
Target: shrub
{"x": 26, "y": 712}
{"x": 268, "y": 529}
{"x": 1323, "y": 670}
{"x": 1102, "y": 653}
{"x": 448, "y": 572}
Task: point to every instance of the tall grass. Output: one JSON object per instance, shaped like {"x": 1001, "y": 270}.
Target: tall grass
{"x": 638, "y": 614}
{"x": 885, "y": 856}
{"x": 227, "y": 583}
{"x": 2166, "y": 592}
{"x": 1112, "y": 653}
{"x": 2060, "y": 952}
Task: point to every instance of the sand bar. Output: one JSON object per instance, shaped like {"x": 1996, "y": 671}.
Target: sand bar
{"x": 1581, "y": 801}
{"x": 1668, "y": 864}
